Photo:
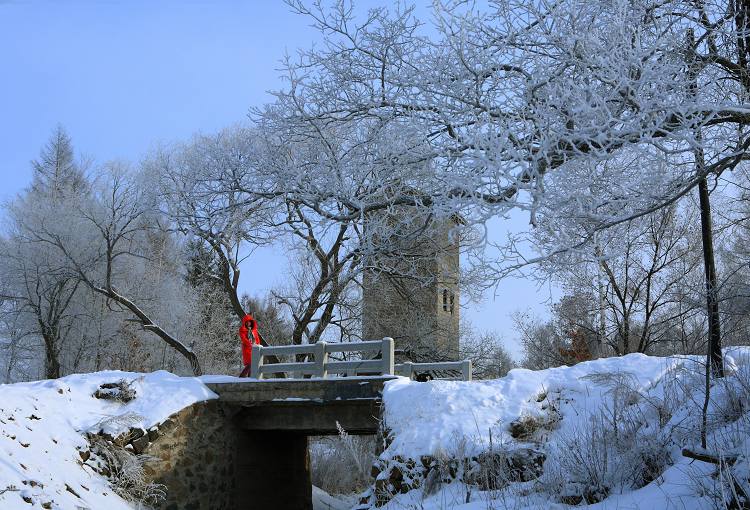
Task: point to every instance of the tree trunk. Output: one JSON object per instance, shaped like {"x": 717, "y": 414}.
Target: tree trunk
{"x": 51, "y": 363}
{"x": 712, "y": 298}
{"x": 149, "y": 325}
{"x": 715, "y": 360}
{"x": 602, "y": 333}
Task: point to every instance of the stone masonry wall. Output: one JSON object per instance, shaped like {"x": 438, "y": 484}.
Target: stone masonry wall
{"x": 194, "y": 457}
{"x": 419, "y": 310}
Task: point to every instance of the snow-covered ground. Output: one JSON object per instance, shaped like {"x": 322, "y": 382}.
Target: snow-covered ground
{"x": 324, "y": 501}
{"x": 655, "y": 402}
{"x": 42, "y": 427}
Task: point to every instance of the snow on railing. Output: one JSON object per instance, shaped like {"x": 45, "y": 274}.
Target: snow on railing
{"x": 322, "y": 367}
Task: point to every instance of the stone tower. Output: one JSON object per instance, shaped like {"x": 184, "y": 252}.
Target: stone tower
{"x": 418, "y": 308}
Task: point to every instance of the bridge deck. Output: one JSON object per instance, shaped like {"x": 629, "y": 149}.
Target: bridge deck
{"x": 250, "y": 392}
{"x": 306, "y": 406}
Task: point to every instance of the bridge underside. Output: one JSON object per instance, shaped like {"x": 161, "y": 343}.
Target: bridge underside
{"x": 313, "y": 419}
{"x": 277, "y": 416}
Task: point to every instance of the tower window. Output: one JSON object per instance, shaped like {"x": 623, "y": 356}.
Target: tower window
{"x": 452, "y": 300}
{"x": 445, "y": 300}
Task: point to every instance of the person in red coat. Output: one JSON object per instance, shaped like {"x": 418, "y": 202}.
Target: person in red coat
{"x": 248, "y": 327}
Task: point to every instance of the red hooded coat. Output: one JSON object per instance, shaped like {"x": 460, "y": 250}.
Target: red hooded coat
{"x": 248, "y": 325}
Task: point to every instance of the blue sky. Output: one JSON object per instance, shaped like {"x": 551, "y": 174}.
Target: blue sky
{"x": 124, "y": 75}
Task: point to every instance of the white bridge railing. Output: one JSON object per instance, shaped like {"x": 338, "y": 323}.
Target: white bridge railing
{"x": 322, "y": 367}
{"x": 460, "y": 370}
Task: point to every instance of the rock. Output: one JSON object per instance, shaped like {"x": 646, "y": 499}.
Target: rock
{"x": 382, "y": 492}
{"x": 120, "y": 391}
{"x": 135, "y": 433}
{"x": 84, "y": 454}
{"x": 395, "y": 478}
{"x": 140, "y": 444}
{"x": 153, "y": 434}
{"x": 388, "y": 484}
{"x": 167, "y": 424}
{"x": 126, "y": 437}
{"x": 494, "y": 470}
{"x": 374, "y": 470}
{"x": 122, "y": 440}
{"x": 526, "y": 464}
{"x": 428, "y": 462}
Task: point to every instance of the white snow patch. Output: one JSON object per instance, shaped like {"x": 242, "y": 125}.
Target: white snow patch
{"x": 323, "y": 501}
{"x": 458, "y": 418}
{"x": 42, "y": 427}
{"x": 428, "y": 417}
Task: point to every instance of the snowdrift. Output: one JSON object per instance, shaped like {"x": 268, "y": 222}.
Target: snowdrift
{"x": 43, "y": 426}
{"x": 608, "y": 433}
{"x": 47, "y": 460}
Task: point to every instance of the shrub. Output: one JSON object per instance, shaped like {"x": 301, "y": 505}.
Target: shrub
{"x": 120, "y": 391}
{"x": 341, "y": 465}
{"x": 624, "y": 447}
{"x": 124, "y": 469}
{"x": 728, "y": 486}
{"x": 533, "y": 427}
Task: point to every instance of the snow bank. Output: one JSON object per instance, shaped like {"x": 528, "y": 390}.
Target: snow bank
{"x": 462, "y": 419}
{"x": 42, "y": 427}
{"x": 425, "y": 418}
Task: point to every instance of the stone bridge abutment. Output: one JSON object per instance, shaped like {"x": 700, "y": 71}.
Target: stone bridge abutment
{"x": 249, "y": 449}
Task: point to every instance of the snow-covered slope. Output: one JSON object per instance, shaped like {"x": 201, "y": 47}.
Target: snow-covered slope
{"x": 604, "y": 416}
{"x": 42, "y": 427}
{"x": 445, "y": 410}
{"x": 654, "y": 402}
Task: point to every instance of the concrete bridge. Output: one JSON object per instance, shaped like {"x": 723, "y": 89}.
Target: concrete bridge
{"x": 278, "y": 416}
{"x": 264, "y": 423}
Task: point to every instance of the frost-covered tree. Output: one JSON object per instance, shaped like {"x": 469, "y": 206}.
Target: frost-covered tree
{"x": 201, "y": 187}
{"x": 232, "y": 191}
{"x": 41, "y": 295}
{"x": 41, "y": 299}
{"x": 19, "y": 349}
{"x": 57, "y": 172}
{"x": 633, "y": 278}
{"x": 107, "y": 242}
{"x": 486, "y": 350}
{"x": 513, "y": 100}
{"x": 734, "y": 257}
{"x": 269, "y": 312}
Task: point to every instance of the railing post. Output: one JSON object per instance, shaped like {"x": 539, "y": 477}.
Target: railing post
{"x": 256, "y": 362}
{"x": 321, "y": 358}
{"x": 409, "y": 369}
{"x": 388, "y": 356}
{"x": 466, "y": 370}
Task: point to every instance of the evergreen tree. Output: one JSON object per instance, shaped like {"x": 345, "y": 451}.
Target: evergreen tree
{"x": 56, "y": 172}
